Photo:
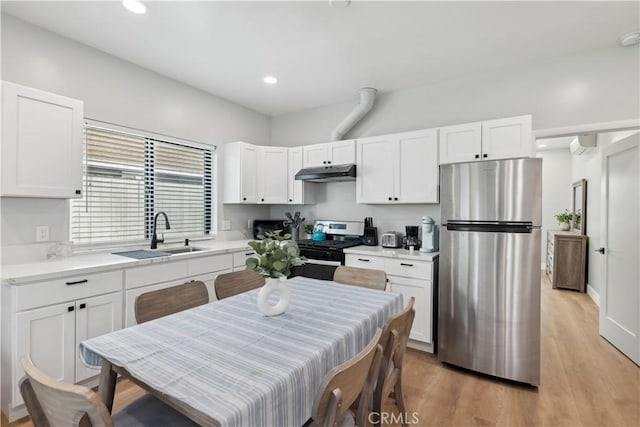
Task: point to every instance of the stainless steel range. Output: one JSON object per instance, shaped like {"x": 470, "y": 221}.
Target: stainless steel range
{"x": 324, "y": 256}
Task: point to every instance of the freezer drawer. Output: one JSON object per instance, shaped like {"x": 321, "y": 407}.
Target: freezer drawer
{"x": 489, "y": 303}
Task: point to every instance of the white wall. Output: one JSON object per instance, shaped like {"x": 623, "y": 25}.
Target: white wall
{"x": 556, "y": 190}
{"x": 118, "y": 92}
{"x": 595, "y": 86}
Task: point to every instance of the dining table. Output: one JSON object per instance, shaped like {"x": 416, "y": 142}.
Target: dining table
{"x": 227, "y": 364}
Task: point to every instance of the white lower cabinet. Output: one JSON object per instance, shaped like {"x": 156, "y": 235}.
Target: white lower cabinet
{"x": 410, "y": 277}
{"x": 48, "y": 320}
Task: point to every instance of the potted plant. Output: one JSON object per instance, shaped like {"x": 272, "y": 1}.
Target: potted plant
{"x": 276, "y": 256}
{"x": 564, "y": 219}
{"x": 308, "y": 230}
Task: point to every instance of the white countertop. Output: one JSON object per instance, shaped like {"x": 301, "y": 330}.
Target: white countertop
{"x": 16, "y": 274}
{"x": 391, "y": 253}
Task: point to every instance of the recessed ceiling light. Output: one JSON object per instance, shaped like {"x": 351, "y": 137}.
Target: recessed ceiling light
{"x": 270, "y": 80}
{"x": 630, "y": 39}
{"x": 135, "y": 6}
{"x": 542, "y": 145}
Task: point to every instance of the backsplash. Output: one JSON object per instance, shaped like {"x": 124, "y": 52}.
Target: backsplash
{"x": 336, "y": 201}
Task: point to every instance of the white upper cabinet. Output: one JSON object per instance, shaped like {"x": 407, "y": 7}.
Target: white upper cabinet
{"x": 273, "y": 175}
{"x": 460, "y": 143}
{"x": 398, "y": 168}
{"x": 489, "y": 140}
{"x": 255, "y": 174}
{"x": 41, "y": 143}
{"x": 298, "y": 192}
{"x": 329, "y": 153}
{"x": 507, "y": 138}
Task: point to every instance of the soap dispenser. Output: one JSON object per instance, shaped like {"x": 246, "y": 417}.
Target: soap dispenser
{"x": 429, "y": 235}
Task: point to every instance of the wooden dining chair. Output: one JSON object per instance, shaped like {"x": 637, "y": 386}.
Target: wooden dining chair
{"x": 364, "y": 277}
{"x": 230, "y": 284}
{"x": 394, "y": 338}
{"x": 344, "y": 384}
{"x": 163, "y": 302}
{"x": 52, "y": 403}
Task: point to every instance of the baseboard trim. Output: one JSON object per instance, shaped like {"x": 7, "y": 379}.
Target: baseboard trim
{"x": 595, "y": 296}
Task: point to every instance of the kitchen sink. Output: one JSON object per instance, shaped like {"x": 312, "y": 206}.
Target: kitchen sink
{"x": 153, "y": 253}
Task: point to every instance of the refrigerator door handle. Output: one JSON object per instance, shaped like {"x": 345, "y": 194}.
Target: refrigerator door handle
{"x": 490, "y": 226}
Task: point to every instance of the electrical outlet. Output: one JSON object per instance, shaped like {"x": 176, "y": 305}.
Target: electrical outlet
{"x": 226, "y": 224}
{"x": 42, "y": 233}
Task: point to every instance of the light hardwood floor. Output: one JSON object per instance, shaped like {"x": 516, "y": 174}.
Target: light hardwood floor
{"x": 584, "y": 380}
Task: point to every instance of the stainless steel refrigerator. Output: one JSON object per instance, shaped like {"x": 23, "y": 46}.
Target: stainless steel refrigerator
{"x": 489, "y": 280}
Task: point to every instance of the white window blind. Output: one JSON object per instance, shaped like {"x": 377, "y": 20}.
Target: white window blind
{"x": 129, "y": 178}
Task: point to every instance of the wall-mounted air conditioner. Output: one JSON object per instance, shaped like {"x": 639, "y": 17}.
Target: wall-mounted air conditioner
{"x": 583, "y": 143}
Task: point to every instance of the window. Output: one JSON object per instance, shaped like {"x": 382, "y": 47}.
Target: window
{"x": 129, "y": 178}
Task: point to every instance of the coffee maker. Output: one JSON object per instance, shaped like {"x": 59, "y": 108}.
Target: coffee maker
{"x": 412, "y": 239}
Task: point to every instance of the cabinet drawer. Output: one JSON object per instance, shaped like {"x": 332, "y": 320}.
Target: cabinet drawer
{"x": 364, "y": 261}
{"x": 239, "y": 258}
{"x": 409, "y": 268}
{"x": 154, "y": 273}
{"x": 209, "y": 264}
{"x": 67, "y": 289}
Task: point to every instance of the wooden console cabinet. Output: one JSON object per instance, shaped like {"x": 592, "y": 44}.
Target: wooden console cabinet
{"x": 567, "y": 260}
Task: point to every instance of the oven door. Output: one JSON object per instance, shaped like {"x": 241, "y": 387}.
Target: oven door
{"x": 320, "y": 264}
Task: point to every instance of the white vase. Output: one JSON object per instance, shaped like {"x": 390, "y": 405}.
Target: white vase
{"x": 564, "y": 226}
{"x": 272, "y": 286}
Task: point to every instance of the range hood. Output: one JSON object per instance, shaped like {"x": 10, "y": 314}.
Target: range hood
{"x": 331, "y": 173}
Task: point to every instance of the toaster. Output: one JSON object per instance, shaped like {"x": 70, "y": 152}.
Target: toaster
{"x": 391, "y": 239}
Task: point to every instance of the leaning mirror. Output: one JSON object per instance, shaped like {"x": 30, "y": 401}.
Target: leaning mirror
{"x": 579, "y": 207}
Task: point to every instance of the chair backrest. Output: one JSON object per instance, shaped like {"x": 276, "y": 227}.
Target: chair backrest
{"x": 364, "y": 277}
{"x": 343, "y": 384}
{"x": 394, "y": 338}
{"x": 163, "y": 302}
{"x": 60, "y": 404}
{"x": 230, "y": 284}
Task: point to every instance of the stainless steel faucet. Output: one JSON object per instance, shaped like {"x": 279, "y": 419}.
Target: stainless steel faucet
{"x": 167, "y": 226}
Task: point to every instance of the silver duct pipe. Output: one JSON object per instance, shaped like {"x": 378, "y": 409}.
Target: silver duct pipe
{"x": 367, "y": 97}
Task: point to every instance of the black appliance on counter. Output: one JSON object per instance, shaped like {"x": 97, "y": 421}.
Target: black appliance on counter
{"x": 324, "y": 256}
{"x": 262, "y": 226}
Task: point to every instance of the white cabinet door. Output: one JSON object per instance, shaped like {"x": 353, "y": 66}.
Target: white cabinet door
{"x": 273, "y": 175}
{"x": 376, "y": 170}
{"x": 294, "y": 188}
{"x": 94, "y": 317}
{"x": 48, "y": 335}
{"x": 249, "y": 155}
{"x": 461, "y": 143}
{"x": 507, "y": 138}
{"x": 421, "y": 291}
{"x": 418, "y": 173}
{"x": 314, "y": 155}
{"x": 41, "y": 143}
{"x": 341, "y": 152}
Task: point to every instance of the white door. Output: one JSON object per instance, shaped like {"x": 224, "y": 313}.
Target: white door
{"x": 94, "y": 317}
{"x": 620, "y": 298}
{"x": 249, "y": 156}
{"x": 314, "y": 155}
{"x": 418, "y": 173}
{"x": 421, "y": 291}
{"x": 376, "y": 170}
{"x": 273, "y": 175}
{"x": 48, "y": 335}
{"x": 507, "y": 138}
{"x": 294, "y": 188}
{"x": 461, "y": 143}
{"x": 342, "y": 152}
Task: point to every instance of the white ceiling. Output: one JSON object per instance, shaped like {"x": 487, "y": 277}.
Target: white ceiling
{"x": 322, "y": 55}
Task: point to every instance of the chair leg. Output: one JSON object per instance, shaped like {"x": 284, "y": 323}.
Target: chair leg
{"x": 400, "y": 401}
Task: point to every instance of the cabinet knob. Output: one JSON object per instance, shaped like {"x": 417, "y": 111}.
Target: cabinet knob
{"x": 477, "y": 156}
{"x": 600, "y": 251}
{"x": 390, "y": 198}
{"x": 291, "y": 200}
{"x": 363, "y": 259}
{"x": 71, "y": 308}
{"x": 328, "y": 162}
{"x": 78, "y": 192}
{"x": 244, "y": 198}
{"x": 484, "y": 156}
{"x": 324, "y": 162}
{"x": 77, "y": 282}
{"x": 262, "y": 200}
{"x": 83, "y": 305}
{"x": 395, "y": 198}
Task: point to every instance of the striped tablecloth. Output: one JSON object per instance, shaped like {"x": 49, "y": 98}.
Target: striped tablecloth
{"x": 241, "y": 368}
